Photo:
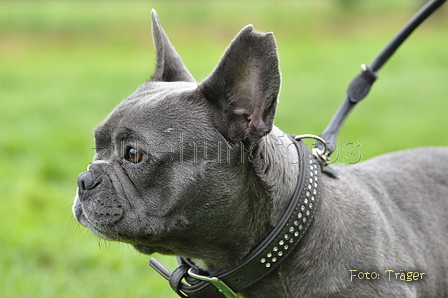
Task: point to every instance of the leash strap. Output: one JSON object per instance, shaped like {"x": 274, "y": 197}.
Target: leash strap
{"x": 361, "y": 84}
{"x": 189, "y": 281}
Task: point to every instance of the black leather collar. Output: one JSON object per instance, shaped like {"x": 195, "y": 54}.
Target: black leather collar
{"x": 268, "y": 255}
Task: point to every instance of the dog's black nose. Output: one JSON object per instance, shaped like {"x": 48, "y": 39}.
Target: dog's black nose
{"x": 88, "y": 180}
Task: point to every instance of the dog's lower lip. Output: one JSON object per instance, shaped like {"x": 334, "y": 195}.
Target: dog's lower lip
{"x": 108, "y": 234}
{"x": 112, "y": 235}
{"x": 123, "y": 237}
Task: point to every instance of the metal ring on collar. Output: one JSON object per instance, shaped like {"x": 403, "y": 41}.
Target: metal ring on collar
{"x": 321, "y": 155}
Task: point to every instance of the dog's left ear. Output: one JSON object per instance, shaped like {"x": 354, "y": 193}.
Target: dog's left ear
{"x": 244, "y": 87}
{"x": 170, "y": 67}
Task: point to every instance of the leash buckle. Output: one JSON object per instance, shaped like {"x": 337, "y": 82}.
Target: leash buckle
{"x": 219, "y": 284}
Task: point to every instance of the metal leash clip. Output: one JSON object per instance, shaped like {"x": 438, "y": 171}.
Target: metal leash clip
{"x": 219, "y": 284}
{"x": 321, "y": 153}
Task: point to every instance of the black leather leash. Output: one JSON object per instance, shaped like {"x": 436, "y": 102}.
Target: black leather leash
{"x": 361, "y": 84}
{"x": 188, "y": 280}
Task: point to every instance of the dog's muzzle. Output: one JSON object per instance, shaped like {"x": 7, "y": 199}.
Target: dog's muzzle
{"x": 97, "y": 200}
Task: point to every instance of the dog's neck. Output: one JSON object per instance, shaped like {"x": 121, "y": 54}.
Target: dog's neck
{"x": 281, "y": 170}
{"x": 275, "y": 161}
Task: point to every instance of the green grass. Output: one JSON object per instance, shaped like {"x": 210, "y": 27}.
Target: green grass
{"x": 64, "y": 65}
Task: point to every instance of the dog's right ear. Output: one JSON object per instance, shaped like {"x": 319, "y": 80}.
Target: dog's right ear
{"x": 243, "y": 89}
{"x": 170, "y": 67}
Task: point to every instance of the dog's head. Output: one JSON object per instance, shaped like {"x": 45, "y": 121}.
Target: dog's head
{"x": 174, "y": 168}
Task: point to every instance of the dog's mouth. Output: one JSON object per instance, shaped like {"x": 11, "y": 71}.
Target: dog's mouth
{"x": 109, "y": 233}
{"x": 119, "y": 236}
{"x": 140, "y": 243}
{"x": 146, "y": 242}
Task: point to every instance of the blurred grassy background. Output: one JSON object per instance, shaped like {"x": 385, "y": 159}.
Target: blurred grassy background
{"x": 64, "y": 65}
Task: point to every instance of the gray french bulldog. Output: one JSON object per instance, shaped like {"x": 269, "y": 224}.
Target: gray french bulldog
{"x": 199, "y": 170}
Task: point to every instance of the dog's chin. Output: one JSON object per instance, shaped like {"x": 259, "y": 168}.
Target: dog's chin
{"x": 135, "y": 241}
{"x": 110, "y": 235}
{"x": 149, "y": 250}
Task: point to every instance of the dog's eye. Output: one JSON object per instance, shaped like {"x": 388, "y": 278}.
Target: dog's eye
{"x": 134, "y": 155}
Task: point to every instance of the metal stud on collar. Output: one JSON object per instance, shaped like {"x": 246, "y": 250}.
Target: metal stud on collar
{"x": 303, "y": 217}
